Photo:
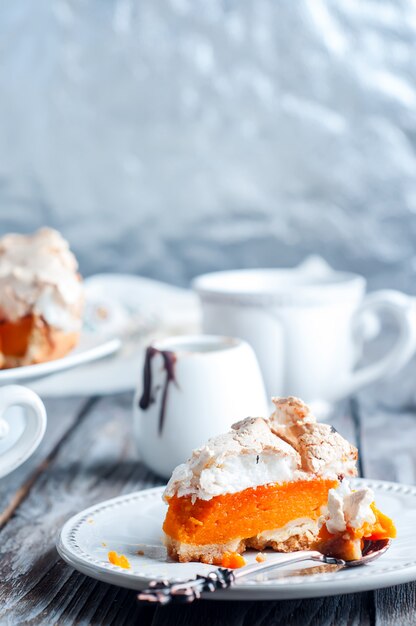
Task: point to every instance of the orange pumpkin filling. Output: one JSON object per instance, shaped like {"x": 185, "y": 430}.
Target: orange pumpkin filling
{"x": 14, "y": 336}
{"x": 246, "y": 513}
{"x": 118, "y": 559}
{"x": 383, "y": 527}
{"x": 348, "y": 545}
{"x": 232, "y": 560}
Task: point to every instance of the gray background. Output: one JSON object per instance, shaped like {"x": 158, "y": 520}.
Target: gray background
{"x": 171, "y": 137}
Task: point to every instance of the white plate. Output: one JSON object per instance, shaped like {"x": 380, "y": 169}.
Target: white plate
{"x": 89, "y": 349}
{"x": 136, "y": 309}
{"x": 133, "y": 522}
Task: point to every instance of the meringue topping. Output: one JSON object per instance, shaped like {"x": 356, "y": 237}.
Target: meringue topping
{"x": 321, "y": 448}
{"x": 289, "y": 446}
{"x": 348, "y": 508}
{"x": 38, "y": 275}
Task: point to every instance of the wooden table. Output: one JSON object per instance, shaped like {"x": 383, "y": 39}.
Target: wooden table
{"x": 88, "y": 455}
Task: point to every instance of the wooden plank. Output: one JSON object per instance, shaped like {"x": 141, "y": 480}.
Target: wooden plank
{"x": 96, "y": 460}
{"x": 395, "y": 606}
{"x": 388, "y": 453}
{"x": 354, "y": 610}
{"x": 388, "y": 444}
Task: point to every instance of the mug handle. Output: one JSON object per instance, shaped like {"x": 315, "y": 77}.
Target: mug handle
{"x": 35, "y": 418}
{"x": 402, "y": 308}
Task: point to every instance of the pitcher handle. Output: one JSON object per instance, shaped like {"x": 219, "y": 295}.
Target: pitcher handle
{"x": 403, "y": 310}
{"x": 35, "y": 425}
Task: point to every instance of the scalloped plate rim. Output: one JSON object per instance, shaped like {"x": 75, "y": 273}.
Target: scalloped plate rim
{"x": 289, "y": 588}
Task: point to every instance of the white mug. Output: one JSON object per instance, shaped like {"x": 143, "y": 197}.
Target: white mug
{"x": 16, "y": 447}
{"x": 193, "y": 387}
{"x": 306, "y": 326}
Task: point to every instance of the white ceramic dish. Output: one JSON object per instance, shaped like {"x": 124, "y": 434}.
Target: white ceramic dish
{"x": 136, "y": 309}
{"x": 132, "y": 523}
{"x": 88, "y": 350}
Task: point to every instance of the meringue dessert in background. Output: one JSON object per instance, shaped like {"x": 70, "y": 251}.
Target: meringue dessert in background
{"x": 41, "y": 298}
{"x": 264, "y": 484}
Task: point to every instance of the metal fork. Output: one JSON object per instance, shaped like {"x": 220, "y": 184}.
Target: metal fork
{"x": 163, "y": 591}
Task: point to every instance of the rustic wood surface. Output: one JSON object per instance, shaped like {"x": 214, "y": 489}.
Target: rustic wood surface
{"x": 88, "y": 455}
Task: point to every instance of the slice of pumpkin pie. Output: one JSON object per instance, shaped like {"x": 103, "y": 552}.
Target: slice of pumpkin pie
{"x": 261, "y": 485}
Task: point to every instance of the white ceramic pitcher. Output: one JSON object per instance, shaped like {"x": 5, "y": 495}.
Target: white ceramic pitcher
{"x": 193, "y": 387}
{"x": 304, "y": 325}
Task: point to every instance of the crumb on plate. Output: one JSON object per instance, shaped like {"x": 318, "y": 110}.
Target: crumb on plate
{"x": 118, "y": 559}
{"x": 232, "y": 560}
